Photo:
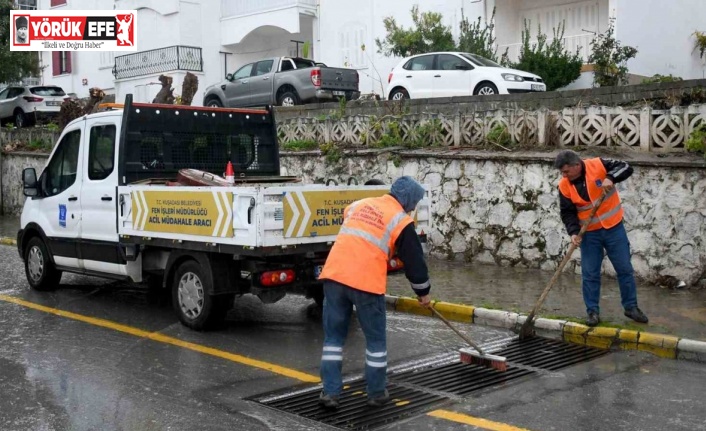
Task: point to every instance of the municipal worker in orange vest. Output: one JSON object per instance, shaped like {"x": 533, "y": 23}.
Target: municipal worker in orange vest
{"x": 583, "y": 182}
{"x": 355, "y": 273}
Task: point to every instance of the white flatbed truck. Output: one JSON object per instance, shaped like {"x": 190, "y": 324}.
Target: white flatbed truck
{"x": 113, "y": 202}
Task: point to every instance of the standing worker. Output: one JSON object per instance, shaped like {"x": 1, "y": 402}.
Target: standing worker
{"x": 582, "y": 183}
{"x": 355, "y": 273}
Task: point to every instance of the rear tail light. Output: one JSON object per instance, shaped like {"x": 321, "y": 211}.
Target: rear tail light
{"x": 32, "y": 99}
{"x": 316, "y": 77}
{"x": 277, "y": 278}
{"x": 394, "y": 264}
{"x": 389, "y": 77}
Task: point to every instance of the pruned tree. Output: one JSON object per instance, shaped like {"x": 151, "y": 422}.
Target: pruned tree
{"x": 426, "y": 35}
{"x": 188, "y": 88}
{"x": 479, "y": 38}
{"x": 96, "y": 96}
{"x": 166, "y": 93}
{"x": 610, "y": 59}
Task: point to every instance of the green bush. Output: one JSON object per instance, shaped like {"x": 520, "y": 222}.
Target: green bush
{"x": 610, "y": 59}
{"x": 499, "y": 135}
{"x": 657, "y": 78}
{"x": 550, "y": 60}
{"x": 697, "y": 139}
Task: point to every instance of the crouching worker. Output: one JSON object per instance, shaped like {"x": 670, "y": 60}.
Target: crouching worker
{"x": 355, "y": 273}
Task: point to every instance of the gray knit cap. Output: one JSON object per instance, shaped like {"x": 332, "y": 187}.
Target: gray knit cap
{"x": 407, "y": 192}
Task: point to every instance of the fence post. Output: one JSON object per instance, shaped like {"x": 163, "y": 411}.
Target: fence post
{"x": 645, "y": 129}
{"x": 457, "y": 128}
{"x": 541, "y": 126}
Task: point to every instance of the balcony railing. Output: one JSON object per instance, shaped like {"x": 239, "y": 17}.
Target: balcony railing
{"x": 235, "y": 8}
{"x": 158, "y": 61}
{"x": 571, "y": 43}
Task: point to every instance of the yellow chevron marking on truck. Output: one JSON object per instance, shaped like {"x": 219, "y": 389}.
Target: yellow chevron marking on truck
{"x": 203, "y": 213}
{"x": 319, "y": 212}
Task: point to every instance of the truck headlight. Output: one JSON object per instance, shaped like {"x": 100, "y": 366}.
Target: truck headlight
{"x": 512, "y": 77}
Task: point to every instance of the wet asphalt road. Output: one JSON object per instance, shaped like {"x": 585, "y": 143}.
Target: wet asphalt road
{"x": 57, "y": 373}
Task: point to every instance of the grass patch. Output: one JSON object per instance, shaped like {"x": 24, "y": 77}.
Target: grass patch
{"x": 300, "y": 145}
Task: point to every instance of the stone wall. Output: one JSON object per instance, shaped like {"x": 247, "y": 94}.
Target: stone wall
{"x": 503, "y": 209}
{"x": 11, "y": 166}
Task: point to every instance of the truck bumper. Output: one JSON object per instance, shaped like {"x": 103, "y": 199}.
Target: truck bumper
{"x": 327, "y": 95}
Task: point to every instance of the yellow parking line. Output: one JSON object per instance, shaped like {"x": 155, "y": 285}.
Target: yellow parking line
{"x": 287, "y": 372}
{"x": 477, "y": 422}
{"x": 284, "y": 371}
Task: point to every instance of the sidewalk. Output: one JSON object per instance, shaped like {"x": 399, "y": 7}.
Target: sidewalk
{"x": 681, "y": 313}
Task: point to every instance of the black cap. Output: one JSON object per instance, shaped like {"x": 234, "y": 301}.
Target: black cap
{"x": 20, "y": 22}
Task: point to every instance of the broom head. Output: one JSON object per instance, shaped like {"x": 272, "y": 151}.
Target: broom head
{"x": 471, "y": 356}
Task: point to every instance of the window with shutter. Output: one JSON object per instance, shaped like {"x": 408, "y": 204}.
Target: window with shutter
{"x": 61, "y": 62}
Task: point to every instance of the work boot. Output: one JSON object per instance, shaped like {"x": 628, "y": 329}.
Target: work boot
{"x": 592, "y": 319}
{"x": 329, "y": 401}
{"x": 637, "y": 315}
{"x": 380, "y": 400}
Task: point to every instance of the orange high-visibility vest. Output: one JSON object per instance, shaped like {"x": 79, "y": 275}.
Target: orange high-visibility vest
{"x": 365, "y": 243}
{"x": 611, "y": 211}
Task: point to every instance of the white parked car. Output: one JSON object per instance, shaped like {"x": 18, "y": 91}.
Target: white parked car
{"x": 447, "y": 74}
{"x": 23, "y": 105}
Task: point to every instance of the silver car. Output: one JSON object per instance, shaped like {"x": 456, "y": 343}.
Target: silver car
{"x": 25, "y": 105}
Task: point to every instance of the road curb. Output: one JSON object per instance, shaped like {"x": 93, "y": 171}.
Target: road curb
{"x": 7, "y": 241}
{"x": 664, "y": 346}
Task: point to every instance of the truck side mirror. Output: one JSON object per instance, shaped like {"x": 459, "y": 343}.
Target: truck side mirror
{"x": 229, "y": 77}
{"x": 29, "y": 181}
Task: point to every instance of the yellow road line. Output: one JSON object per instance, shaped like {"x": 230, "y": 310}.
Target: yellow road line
{"x": 284, "y": 371}
{"x": 287, "y": 372}
{"x": 477, "y": 422}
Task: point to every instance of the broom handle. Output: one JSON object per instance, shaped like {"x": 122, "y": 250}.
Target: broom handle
{"x": 465, "y": 338}
{"x": 573, "y": 246}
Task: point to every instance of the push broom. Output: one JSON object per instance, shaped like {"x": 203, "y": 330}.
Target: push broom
{"x": 470, "y": 357}
{"x": 526, "y": 329}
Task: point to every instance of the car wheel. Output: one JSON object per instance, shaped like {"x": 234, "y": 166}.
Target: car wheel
{"x": 288, "y": 98}
{"x": 486, "y": 89}
{"x": 214, "y": 103}
{"x": 194, "y": 306}
{"x": 399, "y": 94}
{"x": 20, "y": 119}
{"x": 40, "y": 271}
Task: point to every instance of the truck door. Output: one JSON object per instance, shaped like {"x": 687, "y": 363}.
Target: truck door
{"x": 261, "y": 83}
{"x": 99, "y": 231}
{"x": 59, "y": 208}
{"x": 238, "y": 90}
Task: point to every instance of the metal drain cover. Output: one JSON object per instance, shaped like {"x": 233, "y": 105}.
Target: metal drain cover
{"x": 526, "y": 357}
{"x": 422, "y": 389}
{"x": 354, "y": 413}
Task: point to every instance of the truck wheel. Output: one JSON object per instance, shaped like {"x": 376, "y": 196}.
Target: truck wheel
{"x": 41, "y": 272}
{"x": 288, "y": 98}
{"x": 214, "y": 103}
{"x": 195, "y": 307}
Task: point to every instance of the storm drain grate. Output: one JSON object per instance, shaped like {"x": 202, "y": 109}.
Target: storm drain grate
{"x": 354, "y": 413}
{"x": 426, "y": 387}
{"x": 524, "y": 358}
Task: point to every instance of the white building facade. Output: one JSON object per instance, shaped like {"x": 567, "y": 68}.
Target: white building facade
{"x": 213, "y": 37}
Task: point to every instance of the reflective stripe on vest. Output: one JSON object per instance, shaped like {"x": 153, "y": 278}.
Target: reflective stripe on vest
{"x": 610, "y": 212}
{"x": 366, "y": 240}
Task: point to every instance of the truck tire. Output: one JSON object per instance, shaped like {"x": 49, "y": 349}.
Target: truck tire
{"x": 196, "y": 308}
{"x": 288, "y": 98}
{"x": 40, "y": 271}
